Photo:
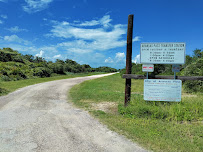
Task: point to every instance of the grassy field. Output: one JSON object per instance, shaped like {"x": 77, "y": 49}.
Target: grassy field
{"x": 157, "y": 126}
{"x": 10, "y": 86}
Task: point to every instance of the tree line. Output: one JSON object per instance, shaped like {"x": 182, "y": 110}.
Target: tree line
{"x": 192, "y": 67}
{"x": 15, "y": 66}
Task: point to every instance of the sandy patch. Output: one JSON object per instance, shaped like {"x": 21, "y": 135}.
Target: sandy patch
{"x": 108, "y": 107}
{"x": 189, "y": 95}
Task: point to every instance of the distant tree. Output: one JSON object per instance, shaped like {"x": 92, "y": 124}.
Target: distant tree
{"x": 59, "y": 62}
{"x": 198, "y": 53}
{"x": 39, "y": 59}
{"x": 194, "y": 67}
{"x": 29, "y": 57}
{"x": 68, "y": 61}
{"x": 188, "y": 60}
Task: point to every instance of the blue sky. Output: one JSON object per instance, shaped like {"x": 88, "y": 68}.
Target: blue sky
{"x": 94, "y": 32}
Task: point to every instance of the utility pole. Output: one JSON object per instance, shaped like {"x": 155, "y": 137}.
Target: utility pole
{"x": 129, "y": 59}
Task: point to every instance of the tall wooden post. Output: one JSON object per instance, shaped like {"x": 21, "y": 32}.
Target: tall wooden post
{"x": 129, "y": 59}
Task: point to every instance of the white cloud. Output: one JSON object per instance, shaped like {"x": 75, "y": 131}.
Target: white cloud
{"x": 136, "y": 59}
{"x": 104, "y": 21}
{"x": 40, "y": 54}
{"x": 83, "y": 40}
{"x": 89, "y": 23}
{"x": 33, "y": 6}
{"x": 57, "y": 56}
{"x": 120, "y": 57}
{"x": 15, "y": 38}
{"x": 118, "y": 61}
{"x": 137, "y": 38}
{"x": 109, "y": 60}
{"x": 16, "y": 29}
{"x": 79, "y": 50}
{"x": 4, "y": 16}
{"x": 51, "y": 49}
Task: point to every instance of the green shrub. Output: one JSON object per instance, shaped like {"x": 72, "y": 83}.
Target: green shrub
{"x": 188, "y": 110}
{"x": 42, "y": 72}
{"x": 5, "y": 78}
{"x": 3, "y": 91}
{"x": 194, "y": 69}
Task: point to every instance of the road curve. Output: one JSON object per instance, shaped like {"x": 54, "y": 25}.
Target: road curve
{"x": 39, "y": 118}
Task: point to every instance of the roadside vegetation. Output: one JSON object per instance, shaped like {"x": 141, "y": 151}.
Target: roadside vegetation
{"x": 17, "y": 67}
{"x": 157, "y": 126}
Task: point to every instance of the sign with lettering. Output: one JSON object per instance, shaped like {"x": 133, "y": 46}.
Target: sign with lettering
{"x": 175, "y": 68}
{"x": 148, "y": 68}
{"x": 162, "y": 90}
{"x": 162, "y": 53}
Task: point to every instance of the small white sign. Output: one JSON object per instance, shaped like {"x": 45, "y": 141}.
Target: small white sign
{"x": 162, "y": 90}
{"x": 175, "y": 68}
{"x": 162, "y": 53}
{"x": 148, "y": 68}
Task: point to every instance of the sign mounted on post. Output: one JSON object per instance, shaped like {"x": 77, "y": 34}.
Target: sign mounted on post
{"x": 162, "y": 53}
{"x": 148, "y": 68}
{"x": 162, "y": 90}
{"x": 175, "y": 68}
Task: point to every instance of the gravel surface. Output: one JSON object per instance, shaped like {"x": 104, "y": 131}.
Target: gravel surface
{"x": 40, "y": 118}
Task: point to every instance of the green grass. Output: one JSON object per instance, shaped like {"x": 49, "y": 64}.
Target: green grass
{"x": 10, "y": 86}
{"x": 158, "y": 126}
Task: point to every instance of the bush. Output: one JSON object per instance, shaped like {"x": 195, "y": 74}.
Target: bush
{"x": 189, "y": 110}
{"x": 194, "y": 69}
{"x": 193, "y": 86}
{"x": 42, "y": 72}
{"x": 5, "y": 78}
{"x": 3, "y": 91}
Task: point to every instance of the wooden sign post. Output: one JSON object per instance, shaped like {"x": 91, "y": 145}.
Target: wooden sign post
{"x": 129, "y": 59}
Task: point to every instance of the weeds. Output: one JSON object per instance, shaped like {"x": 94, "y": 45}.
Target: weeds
{"x": 158, "y": 126}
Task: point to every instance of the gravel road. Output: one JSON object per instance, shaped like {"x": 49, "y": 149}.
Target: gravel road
{"x": 40, "y": 118}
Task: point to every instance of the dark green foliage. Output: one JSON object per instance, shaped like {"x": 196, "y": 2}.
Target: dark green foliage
{"x": 198, "y": 53}
{"x": 15, "y": 66}
{"x": 42, "y": 72}
{"x": 105, "y": 69}
{"x": 188, "y": 60}
{"x": 194, "y": 69}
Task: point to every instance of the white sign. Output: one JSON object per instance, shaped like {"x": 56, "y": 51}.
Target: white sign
{"x": 148, "y": 68}
{"x": 175, "y": 68}
{"x": 162, "y": 90}
{"x": 162, "y": 53}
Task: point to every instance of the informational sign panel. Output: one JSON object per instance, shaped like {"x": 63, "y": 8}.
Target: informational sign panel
{"x": 175, "y": 68}
{"x": 162, "y": 53}
{"x": 148, "y": 68}
{"x": 162, "y": 90}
